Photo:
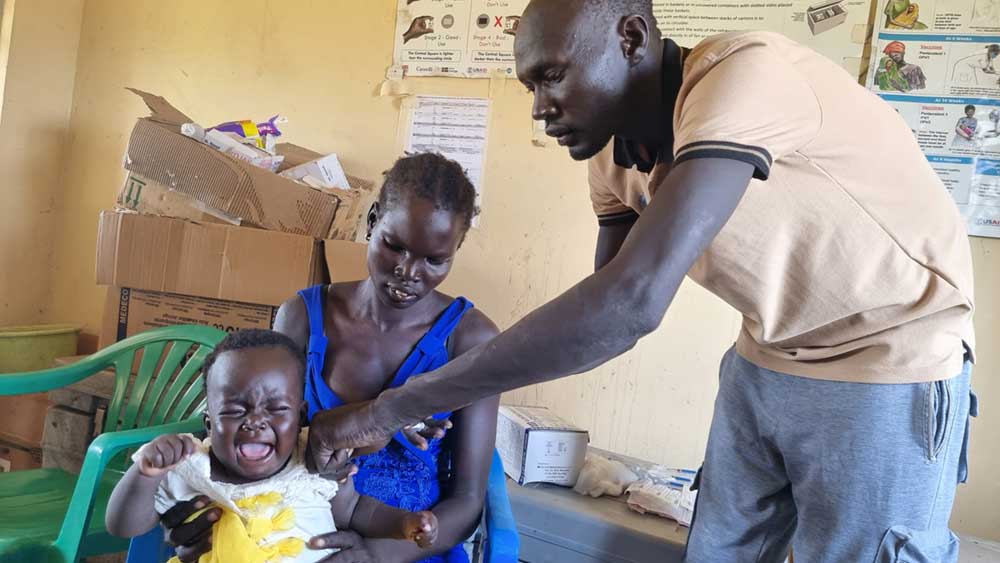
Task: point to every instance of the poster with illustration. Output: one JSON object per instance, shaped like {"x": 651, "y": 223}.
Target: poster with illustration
{"x": 835, "y": 28}
{"x": 464, "y": 38}
{"x": 475, "y": 38}
{"x": 958, "y": 17}
{"x": 936, "y": 62}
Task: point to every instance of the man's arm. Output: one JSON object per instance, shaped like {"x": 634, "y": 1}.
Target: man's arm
{"x": 609, "y": 241}
{"x": 594, "y": 321}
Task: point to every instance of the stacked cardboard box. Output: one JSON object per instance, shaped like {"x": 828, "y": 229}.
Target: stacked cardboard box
{"x": 21, "y": 431}
{"x": 16, "y": 458}
{"x": 199, "y": 237}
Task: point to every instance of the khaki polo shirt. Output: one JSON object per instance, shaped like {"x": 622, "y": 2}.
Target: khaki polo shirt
{"x": 847, "y": 256}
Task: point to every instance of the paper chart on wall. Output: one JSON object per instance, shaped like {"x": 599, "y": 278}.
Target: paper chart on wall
{"x": 454, "y": 127}
{"x": 475, "y": 38}
{"x": 938, "y": 64}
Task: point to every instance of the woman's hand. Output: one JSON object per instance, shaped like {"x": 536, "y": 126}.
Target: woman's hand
{"x": 422, "y": 433}
{"x": 190, "y": 539}
{"x": 353, "y": 548}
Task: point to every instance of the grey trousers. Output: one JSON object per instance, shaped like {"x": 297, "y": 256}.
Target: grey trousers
{"x": 841, "y": 472}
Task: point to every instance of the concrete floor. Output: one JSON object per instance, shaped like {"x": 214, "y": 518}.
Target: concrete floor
{"x": 973, "y": 551}
{"x": 979, "y": 551}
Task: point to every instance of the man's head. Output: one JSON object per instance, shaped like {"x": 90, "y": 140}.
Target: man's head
{"x": 896, "y": 51}
{"x": 582, "y": 59}
{"x": 254, "y": 385}
{"x": 970, "y": 110}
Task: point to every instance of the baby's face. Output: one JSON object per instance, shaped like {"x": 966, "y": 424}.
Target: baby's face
{"x": 255, "y": 409}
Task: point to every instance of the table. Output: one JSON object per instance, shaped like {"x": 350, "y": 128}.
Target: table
{"x": 557, "y": 525}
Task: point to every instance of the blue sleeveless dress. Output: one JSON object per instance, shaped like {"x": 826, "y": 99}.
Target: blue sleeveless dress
{"x": 400, "y": 475}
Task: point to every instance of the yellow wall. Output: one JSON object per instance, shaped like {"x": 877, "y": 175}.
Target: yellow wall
{"x": 38, "y": 40}
{"x": 321, "y": 63}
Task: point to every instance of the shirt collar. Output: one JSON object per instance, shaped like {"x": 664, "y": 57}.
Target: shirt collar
{"x": 626, "y": 151}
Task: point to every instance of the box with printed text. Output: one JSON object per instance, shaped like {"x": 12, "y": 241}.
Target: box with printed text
{"x": 536, "y": 445}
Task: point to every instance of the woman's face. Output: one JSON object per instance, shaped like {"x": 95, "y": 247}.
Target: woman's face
{"x": 411, "y": 250}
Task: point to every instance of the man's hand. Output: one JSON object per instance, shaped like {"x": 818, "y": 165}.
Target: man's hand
{"x": 334, "y": 432}
{"x": 163, "y": 453}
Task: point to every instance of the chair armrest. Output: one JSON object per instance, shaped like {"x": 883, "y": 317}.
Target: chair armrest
{"x": 502, "y": 542}
{"x": 101, "y": 451}
{"x": 49, "y": 379}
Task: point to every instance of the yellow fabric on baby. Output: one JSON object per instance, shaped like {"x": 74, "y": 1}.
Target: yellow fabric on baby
{"x": 257, "y": 502}
{"x": 235, "y": 540}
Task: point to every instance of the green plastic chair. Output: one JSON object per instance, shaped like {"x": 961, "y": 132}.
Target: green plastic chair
{"x": 52, "y": 515}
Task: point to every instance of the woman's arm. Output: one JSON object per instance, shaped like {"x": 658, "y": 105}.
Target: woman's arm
{"x": 461, "y": 506}
{"x": 472, "y": 442}
{"x": 372, "y": 518}
{"x": 292, "y": 320}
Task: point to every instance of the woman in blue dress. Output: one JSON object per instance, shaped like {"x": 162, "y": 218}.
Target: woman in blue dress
{"x": 363, "y": 337}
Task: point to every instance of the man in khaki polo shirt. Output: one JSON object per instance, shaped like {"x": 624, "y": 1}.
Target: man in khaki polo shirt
{"x": 768, "y": 175}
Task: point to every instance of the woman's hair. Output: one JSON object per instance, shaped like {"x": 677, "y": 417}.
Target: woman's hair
{"x": 432, "y": 177}
{"x": 253, "y": 338}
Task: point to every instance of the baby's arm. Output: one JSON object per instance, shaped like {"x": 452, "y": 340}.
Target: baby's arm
{"x": 130, "y": 510}
{"x": 374, "y": 519}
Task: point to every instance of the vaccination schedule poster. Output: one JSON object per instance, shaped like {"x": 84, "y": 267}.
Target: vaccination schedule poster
{"x": 475, "y": 38}
{"x": 938, "y": 63}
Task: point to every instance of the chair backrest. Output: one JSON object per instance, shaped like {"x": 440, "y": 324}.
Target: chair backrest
{"x": 158, "y": 376}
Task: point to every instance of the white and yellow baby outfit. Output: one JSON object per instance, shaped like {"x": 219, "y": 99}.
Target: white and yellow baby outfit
{"x": 267, "y": 521}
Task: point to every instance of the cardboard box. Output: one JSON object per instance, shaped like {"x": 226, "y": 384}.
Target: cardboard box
{"x": 537, "y": 446}
{"x": 214, "y": 261}
{"x": 130, "y": 311}
{"x": 346, "y": 260}
{"x": 22, "y": 419}
{"x": 324, "y": 172}
{"x": 143, "y": 195}
{"x": 351, "y": 222}
{"x": 15, "y": 458}
{"x": 158, "y": 151}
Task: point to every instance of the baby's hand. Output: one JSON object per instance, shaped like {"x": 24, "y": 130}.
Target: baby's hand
{"x": 163, "y": 453}
{"x": 421, "y": 527}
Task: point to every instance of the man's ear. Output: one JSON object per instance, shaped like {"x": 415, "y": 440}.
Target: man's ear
{"x": 208, "y": 422}
{"x": 634, "y": 33}
{"x": 373, "y": 214}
